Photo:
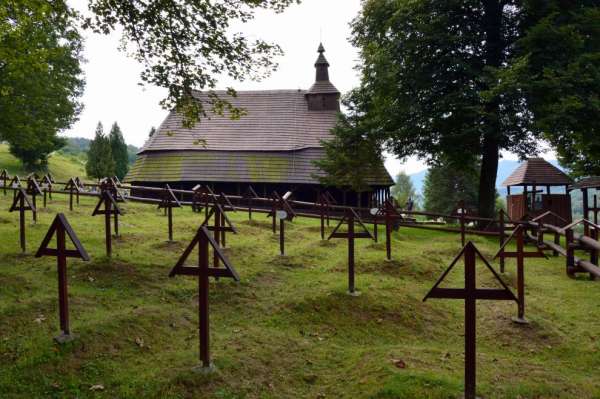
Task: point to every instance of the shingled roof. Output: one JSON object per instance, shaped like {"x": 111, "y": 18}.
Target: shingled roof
{"x": 295, "y": 167}
{"x": 537, "y": 171}
{"x": 276, "y": 120}
{"x": 588, "y": 182}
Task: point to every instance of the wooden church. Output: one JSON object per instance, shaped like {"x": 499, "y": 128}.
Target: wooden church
{"x": 273, "y": 146}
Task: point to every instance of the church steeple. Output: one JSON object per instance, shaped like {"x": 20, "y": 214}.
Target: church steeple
{"x": 323, "y": 96}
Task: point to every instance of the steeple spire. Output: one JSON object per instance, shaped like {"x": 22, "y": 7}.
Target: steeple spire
{"x": 322, "y": 95}
{"x": 322, "y": 65}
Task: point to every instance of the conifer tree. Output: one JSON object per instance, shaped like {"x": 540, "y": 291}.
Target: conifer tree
{"x": 100, "y": 162}
{"x": 119, "y": 151}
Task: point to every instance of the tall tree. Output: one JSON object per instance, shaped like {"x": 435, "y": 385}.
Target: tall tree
{"x": 100, "y": 161}
{"x": 558, "y": 70}
{"x": 40, "y": 77}
{"x": 428, "y": 68}
{"x": 446, "y": 185}
{"x": 404, "y": 189}
{"x": 185, "y": 44}
{"x": 119, "y": 151}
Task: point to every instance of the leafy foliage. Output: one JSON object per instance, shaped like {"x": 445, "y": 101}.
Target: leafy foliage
{"x": 558, "y": 69}
{"x": 100, "y": 161}
{"x": 404, "y": 189}
{"x": 40, "y": 77}
{"x": 185, "y": 44}
{"x": 119, "y": 151}
{"x": 446, "y": 185}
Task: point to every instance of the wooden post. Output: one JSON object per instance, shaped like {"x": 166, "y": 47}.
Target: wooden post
{"x": 501, "y": 226}
{"x": 570, "y": 252}
{"x": 388, "y": 233}
{"x": 63, "y": 296}
{"x": 520, "y": 278}
{"x": 470, "y": 326}
{"x": 22, "y": 224}
{"x": 71, "y": 199}
{"x": 282, "y": 236}
{"x": 351, "y": 254}
{"x": 203, "y": 310}
{"x": 169, "y": 211}
{"x": 217, "y": 234}
{"x": 107, "y": 210}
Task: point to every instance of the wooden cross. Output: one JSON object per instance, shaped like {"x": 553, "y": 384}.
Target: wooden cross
{"x": 250, "y": 195}
{"x": 222, "y": 224}
{"x": 518, "y": 235}
{"x": 470, "y": 294}
{"x": 350, "y": 217}
{"x": 204, "y": 240}
{"x": 461, "y": 211}
{"x": 390, "y": 214}
{"x": 324, "y": 205}
{"x": 61, "y": 228}
{"x": 200, "y": 196}
{"x": 110, "y": 208}
{"x": 15, "y": 183}
{"x": 168, "y": 202}
{"x": 33, "y": 189}
{"x": 21, "y": 203}
{"x": 72, "y": 187}
{"x": 47, "y": 187}
{"x": 4, "y": 177}
{"x": 280, "y": 203}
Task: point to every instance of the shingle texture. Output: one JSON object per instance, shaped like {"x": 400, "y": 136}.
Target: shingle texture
{"x": 537, "y": 171}
{"x": 277, "y": 140}
{"x": 588, "y": 182}
{"x": 274, "y": 121}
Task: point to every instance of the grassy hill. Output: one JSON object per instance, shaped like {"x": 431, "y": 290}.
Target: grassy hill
{"x": 62, "y": 166}
{"x": 288, "y": 329}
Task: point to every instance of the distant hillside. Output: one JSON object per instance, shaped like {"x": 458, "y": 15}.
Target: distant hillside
{"x": 78, "y": 147}
{"x": 505, "y": 168}
{"x": 62, "y": 166}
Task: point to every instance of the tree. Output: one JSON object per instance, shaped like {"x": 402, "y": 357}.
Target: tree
{"x": 446, "y": 185}
{"x": 119, "y": 151}
{"x": 100, "y": 162}
{"x": 404, "y": 189}
{"x": 185, "y": 44}
{"x": 558, "y": 71}
{"x": 429, "y": 70}
{"x": 40, "y": 77}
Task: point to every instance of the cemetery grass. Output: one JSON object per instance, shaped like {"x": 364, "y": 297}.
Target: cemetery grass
{"x": 288, "y": 329}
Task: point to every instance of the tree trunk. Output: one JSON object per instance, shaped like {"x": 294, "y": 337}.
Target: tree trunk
{"x": 494, "y": 48}
{"x": 487, "y": 179}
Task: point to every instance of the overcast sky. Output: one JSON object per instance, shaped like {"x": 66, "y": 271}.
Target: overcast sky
{"x": 113, "y": 92}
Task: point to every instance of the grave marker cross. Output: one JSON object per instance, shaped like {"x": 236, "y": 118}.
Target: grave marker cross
{"x": 204, "y": 240}
{"x": 350, "y": 217}
{"x": 470, "y": 294}
{"x": 110, "y": 208}
{"x": 61, "y": 228}
{"x": 168, "y": 202}
{"x": 520, "y": 254}
{"x": 21, "y": 203}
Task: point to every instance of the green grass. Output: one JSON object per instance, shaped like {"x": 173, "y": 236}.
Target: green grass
{"x": 61, "y": 166}
{"x": 288, "y": 329}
